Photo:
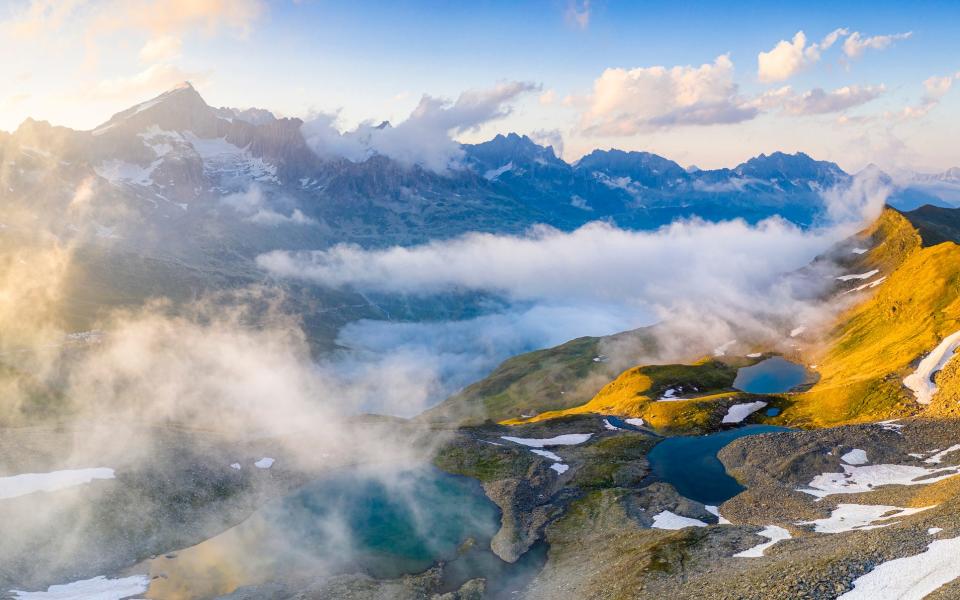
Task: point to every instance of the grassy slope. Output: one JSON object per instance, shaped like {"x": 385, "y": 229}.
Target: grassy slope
{"x": 862, "y": 362}
{"x": 634, "y": 394}
{"x": 876, "y": 342}
{"x": 544, "y": 380}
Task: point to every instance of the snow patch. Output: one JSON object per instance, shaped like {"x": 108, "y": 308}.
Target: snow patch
{"x": 547, "y": 454}
{"x": 567, "y": 439}
{"x": 236, "y": 466}
{"x": 938, "y": 457}
{"x": 850, "y": 517}
{"x": 28, "y": 483}
{"x": 560, "y": 468}
{"x": 264, "y": 463}
{"x": 715, "y": 510}
{"x": 934, "y": 530}
{"x": 670, "y": 520}
{"x": 771, "y": 532}
{"x": 920, "y": 381}
{"x": 855, "y": 457}
{"x": 866, "y": 275}
{"x": 636, "y": 422}
{"x": 859, "y": 250}
{"x": 755, "y": 355}
{"x": 911, "y": 577}
{"x": 739, "y": 412}
{"x": 493, "y": 174}
{"x": 610, "y": 426}
{"x": 797, "y": 331}
{"x": 98, "y": 588}
{"x": 855, "y": 480}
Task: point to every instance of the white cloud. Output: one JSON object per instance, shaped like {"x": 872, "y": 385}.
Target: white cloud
{"x": 253, "y": 206}
{"x": 153, "y": 79}
{"x": 425, "y": 138}
{"x": 549, "y": 137}
{"x": 818, "y": 101}
{"x": 934, "y": 89}
{"x": 160, "y": 49}
{"x": 789, "y": 57}
{"x": 578, "y": 13}
{"x": 855, "y": 44}
{"x": 586, "y": 265}
{"x": 626, "y": 102}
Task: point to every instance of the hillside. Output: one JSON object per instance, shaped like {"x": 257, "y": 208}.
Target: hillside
{"x": 891, "y": 322}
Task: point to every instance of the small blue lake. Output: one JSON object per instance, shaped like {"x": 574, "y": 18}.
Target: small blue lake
{"x": 771, "y": 376}
{"x": 690, "y": 463}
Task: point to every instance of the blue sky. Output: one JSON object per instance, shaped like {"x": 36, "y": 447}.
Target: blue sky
{"x": 75, "y": 62}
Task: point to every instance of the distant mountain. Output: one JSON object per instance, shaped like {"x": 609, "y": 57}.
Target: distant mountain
{"x": 194, "y": 193}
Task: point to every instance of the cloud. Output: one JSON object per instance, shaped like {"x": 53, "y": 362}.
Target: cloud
{"x": 41, "y": 17}
{"x": 789, "y": 57}
{"x": 818, "y": 101}
{"x": 146, "y": 82}
{"x": 253, "y": 206}
{"x": 425, "y": 138}
{"x": 560, "y": 285}
{"x": 175, "y": 17}
{"x": 161, "y": 49}
{"x": 586, "y": 265}
{"x": 626, "y": 102}
{"x": 935, "y": 88}
{"x": 855, "y": 44}
{"x": 549, "y": 137}
{"x": 577, "y": 13}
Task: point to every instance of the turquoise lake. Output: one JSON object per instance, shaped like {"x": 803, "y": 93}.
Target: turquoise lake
{"x": 383, "y": 524}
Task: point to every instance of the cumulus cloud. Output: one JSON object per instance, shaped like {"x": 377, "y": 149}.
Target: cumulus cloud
{"x": 425, "y": 138}
{"x": 856, "y": 44}
{"x": 818, "y": 101}
{"x": 789, "y": 57}
{"x": 628, "y": 101}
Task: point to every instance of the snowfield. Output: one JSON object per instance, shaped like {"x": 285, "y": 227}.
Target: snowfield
{"x": 772, "y": 533}
{"x": 911, "y": 577}
{"x": 567, "y": 439}
{"x": 920, "y": 381}
{"x": 98, "y": 588}
{"x": 855, "y": 479}
{"x": 28, "y": 483}
{"x": 850, "y": 517}
{"x": 738, "y": 412}
{"x": 670, "y": 520}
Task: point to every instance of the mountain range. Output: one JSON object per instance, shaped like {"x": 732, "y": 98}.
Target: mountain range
{"x": 177, "y": 165}
{"x": 173, "y": 197}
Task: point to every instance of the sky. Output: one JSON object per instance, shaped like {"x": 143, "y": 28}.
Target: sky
{"x": 703, "y": 83}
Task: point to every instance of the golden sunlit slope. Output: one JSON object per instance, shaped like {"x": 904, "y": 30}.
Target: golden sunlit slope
{"x": 878, "y": 342}
{"x": 635, "y": 393}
